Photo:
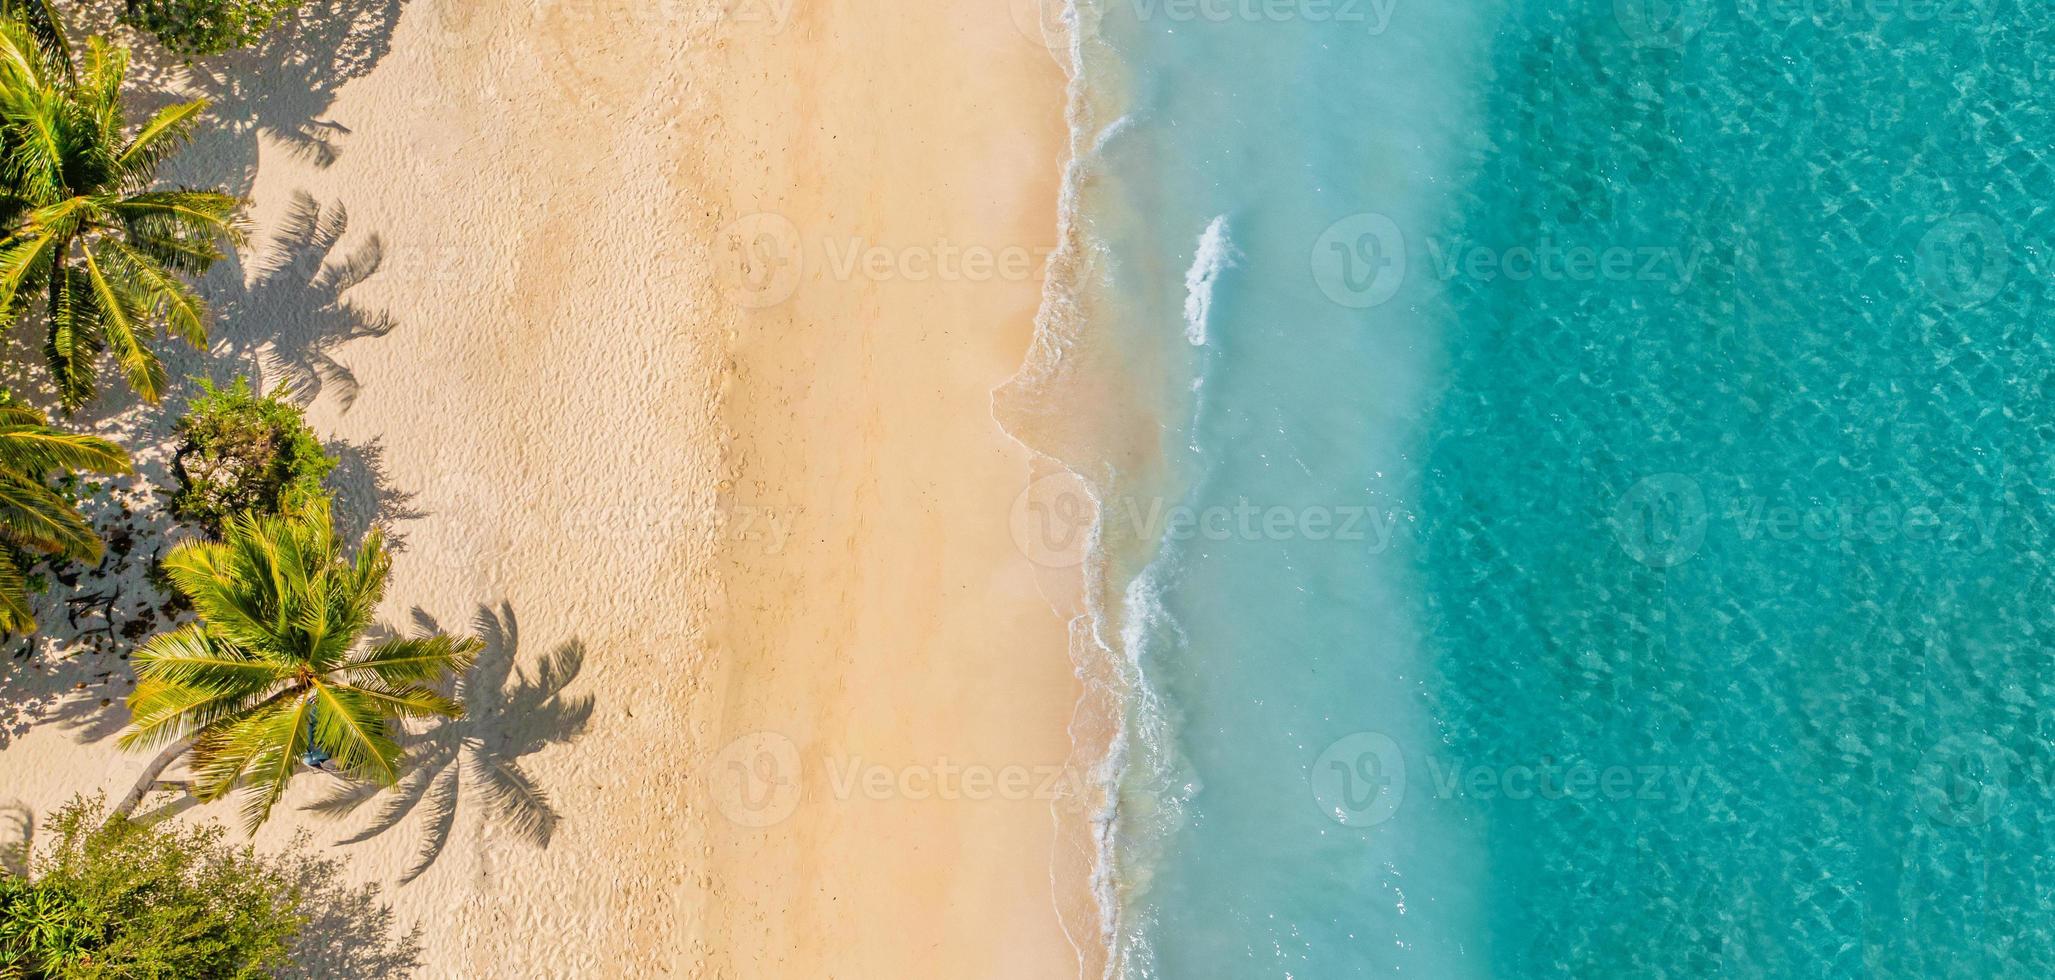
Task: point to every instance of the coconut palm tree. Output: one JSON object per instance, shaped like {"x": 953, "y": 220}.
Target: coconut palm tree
{"x": 86, "y": 237}
{"x": 35, "y": 519}
{"x": 276, "y": 675}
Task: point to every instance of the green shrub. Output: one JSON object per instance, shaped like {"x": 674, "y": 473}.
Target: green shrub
{"x": 199, "y": 28}
{"x": 125, "y": 900}
{"x": 241, "y": 452}
{"x": 43, "y": 929}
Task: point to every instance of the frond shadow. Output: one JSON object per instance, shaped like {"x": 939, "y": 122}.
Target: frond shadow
{"x": 365, "y": 494}
{"x": 17, "y": 833}
{"x": 350, "y": 933}
{"x": 513, "y": 711}
{"x": 287, "y": 310}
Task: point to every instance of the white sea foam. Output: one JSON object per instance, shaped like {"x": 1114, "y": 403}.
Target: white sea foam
{"x": 1058, "y": 323}
{"x": 1215, "y": 254}
{"x": 1113, "y": 132}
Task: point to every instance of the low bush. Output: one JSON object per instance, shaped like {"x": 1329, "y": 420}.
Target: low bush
{"x": 241, "y": 452}
{"x": 108, "y": 899}
{"x": 122, "y": 900}
{"x": 199, "y": 28}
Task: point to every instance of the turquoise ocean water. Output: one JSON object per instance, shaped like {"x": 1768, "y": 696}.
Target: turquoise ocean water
{"x": 1602, "y": 448}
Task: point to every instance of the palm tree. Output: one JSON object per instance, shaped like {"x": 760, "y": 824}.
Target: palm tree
{"x": 275, "y": 675}
{"x": 35, "y": 519}
{"x": 86, "y": 237}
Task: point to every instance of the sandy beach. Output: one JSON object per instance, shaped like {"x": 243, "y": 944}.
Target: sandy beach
{"x": 891, "y": 226}
{"x": 664, "y": 336}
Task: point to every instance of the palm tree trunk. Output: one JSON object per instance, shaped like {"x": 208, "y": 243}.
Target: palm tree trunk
{"x": 149, "y": 780}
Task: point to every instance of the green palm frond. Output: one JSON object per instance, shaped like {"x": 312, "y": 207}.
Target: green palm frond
{"x": 190, "y": 658}
{"x": 74, "y": 337}
{"x": 15, "y": 614}
{"x": 166, "y": 713}
{"x": 199, "y": 215}
{"x": 266, "y": 750}
{"x": 273, "y": 669}
{"x": 164, "y": 134}
{"x": 167, "y": 297}
{"x": 217, "y": 579}
{"x": 24, "y": 261}
{"x": 34, "y": 516}
{"x": 412, "y": 703}
{"x": 418, "y": 660}
{"x": 43, "y": 23}
{"x": 122, "y": 310}
{"x": 29, "y": 446}
{"x": 96, "y": 86}
{"x": 352, "y": 727}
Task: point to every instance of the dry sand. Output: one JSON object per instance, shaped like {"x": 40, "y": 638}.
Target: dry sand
{"x": 668, "y": 331}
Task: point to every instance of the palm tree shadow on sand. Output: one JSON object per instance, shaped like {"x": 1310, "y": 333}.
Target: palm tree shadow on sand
{"x": 282, "y": 87}
{"x": 287, "y": 310}
{"x": 513, "y": 711}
